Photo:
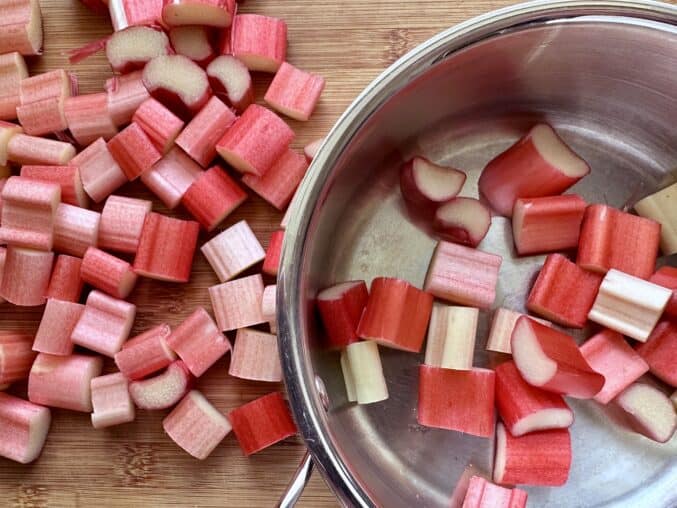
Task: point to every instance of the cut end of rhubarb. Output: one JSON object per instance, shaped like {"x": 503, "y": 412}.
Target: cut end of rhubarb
{"x": 463, "y": 220}
{"x": 133, "y": 47}
{"x": 534, "y": 365}
{"x": 557, "y": 153}
{"x": 426, "y": 184}
{"x": 229, "y": 75}
{"x": 544, "y": 420}
{"x": 192, "y": 42}
{"x": 500, "y": 453}
{"x": 163, "y": 390}
{"x": 649, "y": 411}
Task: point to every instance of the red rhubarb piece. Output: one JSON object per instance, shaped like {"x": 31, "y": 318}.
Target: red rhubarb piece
{"x": 67, "y": 177}
{"x": 193, "y": 41}
{"x": 132, "y": 48}
{"x": 218, "y": 13}
{"x": 122, "y": 222}
{"x": 30, "y": 271}
{"x": 133, "y": 150}
{"x": 171, "y": 177}
{"x": 16, "y": 356}
{"x": 230, "y": 80}
{"x": 89, "y": 118}
{"x": 646, "y": 410}
{"x": 43, "y": 117}
{"x": 23, "y": 428}
{"x": 340, "y": 308}
{"x": 271, "y": 263}
{"x": 57, "y": 325}
{"x": 237, "y": 303}
{"x": 160, "y": 125}
{"x": 539, "y": 164}
{"x": 667, "y": 277}
{"x": 12, "y": 71}
{"x": 233, "y": 251}
{"x": 75, "y": 229}
{"x": 279, "y": 183}
{"x": 294, "y": 92}
{"x": 21, "y": 27}
{"x": 23, "y": 149}
{"x": 125, "y": 13}
{"x": 660, "y": 352}
{"x": 146, "y": 353}
{"x": 259, "y": 41}
{"x": 65, "y": 283}
{"x": 99, "y": 172}
{"x": 255, "y": 357}
{"x": 108, "y": 273}
{"x": 462, "y": 220}
{"x": 56, "y": 83}
{"x": 125, "y": 94}
{"x": 111, "y": 401}
{"x": 163, "y": 390}
{"x": 484, "y": 494}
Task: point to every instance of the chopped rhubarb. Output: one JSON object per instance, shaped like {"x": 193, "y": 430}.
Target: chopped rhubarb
{"x": 132, "y": 48}
{"x": 57, "y": 83}
{"x": 166, "y": 248}
{"x": 108, "y": 273}
{"x": 105, "y": 324}
{"x": 614, "y": 239}
{"x": 539, "y": 458}
{"x": 16, "y": 356}
{"x": 196, "y": 426}
{"x": 269, "y": 307}
{"x": 126, "y": 13}
{"x": 146, "y": 353}
{"x": 171, "y": 177}
{"x": 646, "y": 410}
{"x": 484, "y": 494}
{"x": 198, "y": 342}
{"x": 255, "y": 141}
{"x": 660, "y": 352}
{"x": 125, "y": 94}
{"x": 163, "y": 390}
{"x": 233, "y": 251}
{"x": 64, "y": 381}
{"x": 461, "y": 400}
{"x": 65, "y": 283}
{"x": 462, "y": 220}
{"x": 8, "y": 131}
{"x": 23, "y": 149}
{"x": 311, "y": 149}
{"x": 160, "y": 125}
{"x": 294, "y": 92}
{"x": 100, "y": 174}
{"x": 363, "y": 373}
{"x": 262, "y": 423}
{"x": 23, "y": 428}
{"x": 662, "y": 208}
{"x": 255, "y": 356}
{"x": 551, "y": 295}
{"x": 12, "y": 71}
{"x": 629, "y": 305}
{"x": 133, "y": 150}
{"x": 451, "y": 337}
{"x": 271, "y": 263}
{"x": 609, "y": 354}
{"x": 57, "y": 325}
{"x": 67, "y": 177}
{"x": 218, "y": 13}
{"x": 75, "y": 229}
{"x": 230, "y": 80}
{"x": 193, "y": 42}
{"x": 21, "y": 27}
{"x": 279, "y": 183}
{"x": 259, "y": 41}
{"x": 111, "y": 401}
{"x": 502, "y": 326}
{"x": 550, "y": 359}
{"x": 340, "y": 307}
{"x": 122, "y": 222}
{"x": 539, "y": 164}
{"x": 237, "y": 303}
{"x": 463, "y": 275}
{"x": 667, "y": 277}
{"x": 30, "y": 271}
{"x": 42, "y": 117}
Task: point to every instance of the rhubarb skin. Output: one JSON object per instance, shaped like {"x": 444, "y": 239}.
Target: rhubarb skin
{"x": 462, "y": 220}
{"x": 231, "y": 80}
{"x": 262, "y": 423}
{"x": 294, "y": 92}
{"x": 122, "y": 222}
{"x": 88, "y": 118}
{"x": 660, "y": 207}
{"x": 524, "y": 408}
{"x": 611, "y": 238}
{"x": 255, "y": 357}
{"x": 279, "y": 183}
{"x": 660, "y": 352}
{"x": 461, "y": 400}
{"x": 340, "y": 307}
{"x": 16, "y": 356}
{"x": 551, "y": 295}
{"x": 43, "y": 117}
{"x": 259, "y": 41}
{"x": 646, "y": 410}
{"x": 75, "y": 229}
{"x": 24, "y": 149}
{"x": 193, "y": 42}
{"x": 233, "y": 251}
{"x": 126, "y": 13}
{"x": 67, "y": 177}
{"x": 132, "y": 48}
{"x": 100, "y": 173}
{"x": 667, "y": 277}
{"x": 237, "y": 303}
{"x": 125, "y": 94}
{"x": 483, "y": 494}
{"x": 146, "y": 353}
{"x": 271, "y": 263}
{"x": 502, "y": 325}
{"x": 539, "y": 458}
{"x": 12, "y": 70}
{"x": 609, "y": 354}
{"x": 166, "y": 248}
{"x": 65, "y": 282}
{"x": 531, "y": 168}
{"x": 57, "y": 325}
{"x": 550, "y": 360}
{"x": 23, "y": 428}
{"x": 163, "y": 390}
{"x": 111, "y": 401}
{"x": 133, "y": 151}
{"x": 463, "y": 275}
{"x": 30, "y": 271}
{"x": 217, "y": 13}
{"x": 396, "y": 314}
{"x": 21, "y": 27}
{"x": 160, "y": 125}
{"x": 108, "y": 273}
{"x": 171, "y": 177}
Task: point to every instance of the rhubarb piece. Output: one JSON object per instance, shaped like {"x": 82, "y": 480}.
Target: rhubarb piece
{"x": 539, "y": 164}
{"x": 105, "y": 324}
{"x": 218, "y": 13}
{"x": 178, "y": 83}
{"x": 311, "y": 149}
{"x": 198, "y": 342}
{"x": 212, "y": 197}
{"x": 255, "y": 141}
{"x": 272, "y": 261}
{"x": 42, "y": 117}
{"x": 12, "y": 71}
{"x": 461, "y": 400}
{"x": 609, "y": 354}
{"x": 64, "y": 381}
{"x": 57, "y": 83}
{"x": 200, "y": 136}
{"x": 269, "y": 307}
{"x": 8, "y": 131}
{"x": 160, "y": 125}
{"x": 667, "y": 278}
{"x": 451, "y": 337}
{"x": 462, "y": 220}
{"x": 294, "y": 92}
{"x": 629, "y": 305}
{"x": 30, "y": 271}
{"x": 21, "y": 27}
{"x": 237, "y": 303}
{"x": 166, "y": 248}
{"x": 661, "y": 207}
{"x": 660, "y": 352}
{"x": 88, "y": 118}
{"x": 192, "y": 42}
{"x": 171, "y": 177}
{"x": 551, "y": 295}
{"x": 340, "y": 307}
{"x": 539, "y": 458}
{"x": 23, "y": 149}
{"x": 108, "y": 273}
{"x": 111, "y": 401}
{"x": 233, "y": 251}
{"x": 23, "y": 428}
{"x": 196, "y": 426}
{"x": 613, "y": 239}
{"x": 100, "y": 174}
{"x": 126, "y": 13}
{"x": 75, "y": 229}
{"x": 547, "y": 224}
{"x": 483, "y": 494}
{"x": 125, "y": 94}
{"x": 363, "y": 373}
{"x": 57, "y": 325}
{"x": 396, "y": 314}
{"x": 28, "y": 212}
{"x": 132, "y": 48}
{"x": 647, "y": 411}
{"x": 230, "y": 80}
{"x": 255, "y": 357}
{"x": 133, "y": 151}
{"x": 122, "y": 222}
{"x": 526, "y": 409}
{"x": 67, "y": 177}
{"x": 279, "y": 183}
{"x": 550, "y": 359}
{"x": 502, "y": 326}
{"x": 16, "y": 356}
{"x": 164, "y": 390}
{"x": 259, "y": 41}
{"x": 463, "y": 275}
{"x": 65, "y": 283}
{"x": 262, "y": 423}
{"x": 146, "y": 353}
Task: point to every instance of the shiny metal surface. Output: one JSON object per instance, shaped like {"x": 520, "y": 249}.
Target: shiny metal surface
{"x": 605, "y": 75}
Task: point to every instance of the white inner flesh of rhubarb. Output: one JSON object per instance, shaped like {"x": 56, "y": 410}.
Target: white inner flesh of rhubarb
{"x": 37, "y": 434}
{"x": 208, "y": 410}
{"x": 544, "y": 420}
{"x": 652, "y": 409}
{"x": 536, "y": 368}
{"x": 161, "y": 389}
{"x": 196, "y": 14}
{"x": 191, "y": 41}
{"x": 135, "y": 44}
{"x": 466, "y": 213}
{"x": 179, "y": 75}
{"x": 436, "y": 182}
{"x": 499, "y": 460}
{"x": 34, "y": 26}
{"x": 336, "y": 292}
{"x": 233, "y": 74}
{"x": 556, "y": 153}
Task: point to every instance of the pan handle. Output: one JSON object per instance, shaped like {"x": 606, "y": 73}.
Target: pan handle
{"x": 297, "y": 483}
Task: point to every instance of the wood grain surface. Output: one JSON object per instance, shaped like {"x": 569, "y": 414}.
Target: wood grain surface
{"x": 349, "y": 42}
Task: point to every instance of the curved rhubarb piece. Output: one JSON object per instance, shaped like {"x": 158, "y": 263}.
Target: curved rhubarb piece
{"x": 230, "y": 79}
{"x": 108, "y": 273}
{"x": 146, "y": 353}
{"x": 56, "y": 326}
{"x": 233, "y": 251}
{"x": 163, "y": 390}
{"x": 193, "y": 42}
{"x": 255, "y": 357}
{"x": 294, "y": 92}
{"x": 462, "y": 220}
{"x": 425, "y": 185}
{"x": 279, "y": 183}
{"x": 30, "y": 271}
{"x": 24, "y": 428}
{"x": 99, "y": 172}
{"x": 259, "y": 41}
{"x": 171, "y": 176}
{"x": 218, "y": 13}
{"x": 340, "y": 307}
{"x": 121, "y": 223}
{"x": 646, "y": 410}
{"x": 75, "y": 229}
{"x": 132, "y": 48}
{"x": 160, "y": 125}
{"x": 111, "y": 401}
{"x": 16, "y": 356}
{"x": 68, "y": 178}
{"x": 660, "y": 352}
{"x": 133, "y": 150}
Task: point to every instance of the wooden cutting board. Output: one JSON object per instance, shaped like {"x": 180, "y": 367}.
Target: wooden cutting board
{"x": 349, "y": 42}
